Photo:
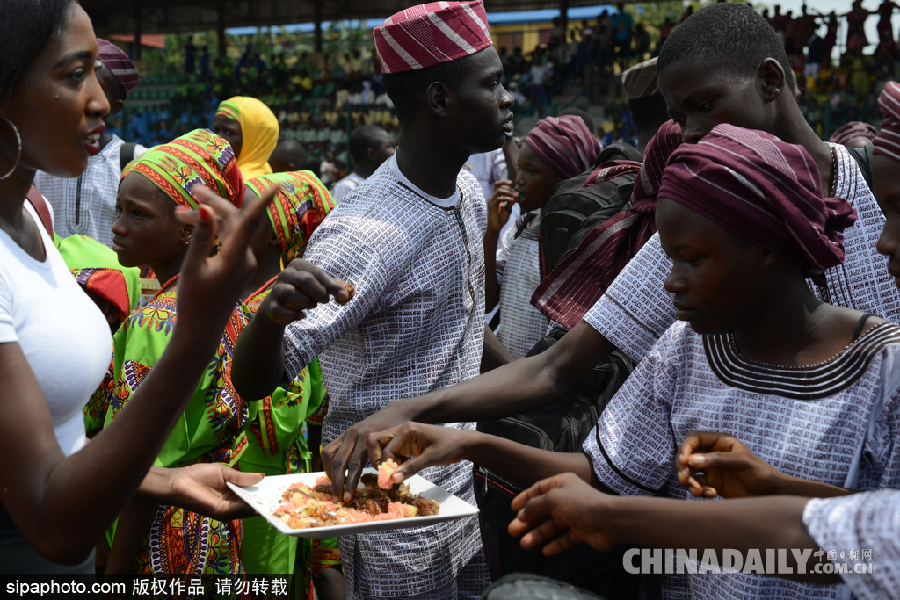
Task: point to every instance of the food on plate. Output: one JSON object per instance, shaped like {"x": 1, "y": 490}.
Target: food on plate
{"x": 303, "y": 507}
{"x": 386, "y": 472}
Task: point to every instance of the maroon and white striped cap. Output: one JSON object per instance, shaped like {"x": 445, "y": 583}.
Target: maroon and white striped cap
{"x": 429, "y": 34}
{"x": 887, "y": 142}
{"x": 115, "y": 59}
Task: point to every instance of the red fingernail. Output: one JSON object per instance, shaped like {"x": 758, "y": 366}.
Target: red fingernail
{"x": 204, "y": 213}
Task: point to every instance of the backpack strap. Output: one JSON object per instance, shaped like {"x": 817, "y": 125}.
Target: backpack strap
{"x": 863, "y": 157}
{"x": 40, "y": 205}
{"x": 522, "y": 222}
{"x": 126, "y": 154}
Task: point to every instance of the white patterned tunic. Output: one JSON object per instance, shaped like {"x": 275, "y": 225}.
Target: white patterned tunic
{"x": 86, "y": 205}
{"x": 636, "y": 309}
{"x": 414, "y": 325}
{"x": 857, "y": 524}
{"x": 518, "y": 274}
{"x": 837, "y": 422}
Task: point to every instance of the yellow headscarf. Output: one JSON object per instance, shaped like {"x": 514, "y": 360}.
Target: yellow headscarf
{"x": 260, "y": 130}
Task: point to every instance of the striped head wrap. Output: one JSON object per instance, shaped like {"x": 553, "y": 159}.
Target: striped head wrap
{"x": 574, "y": 286}
{"x": 299, "y": 207}
{"x": 640, "y": 80}
{"x": 97, "y": 270}
{"x": 887, "y": 142}
{"x": 565, "y": 144}
{"x": 115, "y": 59}
{"x": 428, "y": 34}
{"x": 196, "y": 158}
{"x": 763, "y": 190}
{"x": 260, "y": 130}
{"x": 853, "y": 132}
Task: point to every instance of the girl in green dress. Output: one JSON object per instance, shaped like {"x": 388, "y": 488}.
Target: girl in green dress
{"x": 151, "y": 538}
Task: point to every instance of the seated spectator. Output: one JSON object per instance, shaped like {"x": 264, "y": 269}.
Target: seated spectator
{"x": 370, "y": 146}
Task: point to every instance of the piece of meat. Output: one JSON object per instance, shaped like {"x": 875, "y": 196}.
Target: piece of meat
{"x": 322, "y": 488}
{"x": 427, "y": 508}
{"x": 348, "y": 287}
{"x": 369, "y": 479}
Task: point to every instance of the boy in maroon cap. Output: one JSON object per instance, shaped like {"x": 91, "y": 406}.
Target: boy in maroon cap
{"x": 410, "y": 240}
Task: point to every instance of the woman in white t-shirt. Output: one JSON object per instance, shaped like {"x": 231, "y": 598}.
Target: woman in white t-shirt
{"x": 58, "y": 494}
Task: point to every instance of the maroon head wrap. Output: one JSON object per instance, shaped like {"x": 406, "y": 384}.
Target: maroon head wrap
{"x": 887, "y": 142}
{"x": 115, "y": 59}
{"x": 576, "y": 284}
{"x": 763, "y": 190}
{"x": 852, "y": 132}
{"x": 565, "y": 144}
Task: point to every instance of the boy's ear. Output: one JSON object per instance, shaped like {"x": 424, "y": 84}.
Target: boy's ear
{"x": 437, "y": 98}
{"x": 773, "y": 77}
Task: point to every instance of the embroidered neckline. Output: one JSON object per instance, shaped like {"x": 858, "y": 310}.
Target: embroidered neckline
{"x": 805, "y": 382}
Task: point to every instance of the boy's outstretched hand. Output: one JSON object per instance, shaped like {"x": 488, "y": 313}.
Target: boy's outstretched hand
{"x": 301, "y": 285}
{"x": 414, "y": 446}
{"x": 710, "y": 464}
{"x": 561, "y": 512}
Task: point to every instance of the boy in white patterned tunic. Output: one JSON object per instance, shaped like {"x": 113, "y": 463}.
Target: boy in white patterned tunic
{"x": 409, "y": 240}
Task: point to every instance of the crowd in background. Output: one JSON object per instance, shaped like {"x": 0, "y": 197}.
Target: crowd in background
{"x": 320, "y": 98}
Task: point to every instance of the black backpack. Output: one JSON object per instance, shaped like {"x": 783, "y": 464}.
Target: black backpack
{"x": 562, "y": 427}
{"x": 572, "y": 206}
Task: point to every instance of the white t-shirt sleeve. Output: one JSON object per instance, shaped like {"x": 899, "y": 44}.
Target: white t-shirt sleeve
{"x": 7, "y": 328}
{"x": 636, "y": 310}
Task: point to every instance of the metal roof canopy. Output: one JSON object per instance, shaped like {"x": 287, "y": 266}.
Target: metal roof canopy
{"x": 176, "y": 16}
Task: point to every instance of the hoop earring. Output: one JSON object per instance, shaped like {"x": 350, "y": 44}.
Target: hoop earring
{"x": 18, "y": 152}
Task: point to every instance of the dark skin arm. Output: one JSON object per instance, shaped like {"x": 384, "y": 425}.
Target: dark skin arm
{"x": 563, "y": 511}
{"x": 418, "y": 446}
{"x": 62, "y": 504}
{"x": 199, "y": 488}
{"x": 710, "y": 464}
{"x": 499, "y": 208}
{"x": 494, "y": 354}
{"x": 258, "y": 365}
{"x": 518, "y": 387}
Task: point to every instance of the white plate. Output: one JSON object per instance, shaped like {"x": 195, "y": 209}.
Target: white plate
{"x": 266, "y": 496}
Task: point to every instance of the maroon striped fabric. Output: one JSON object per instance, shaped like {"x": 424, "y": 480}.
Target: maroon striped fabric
{"x": 565, "y": 144}
{"x": 576, "y": 284}
{"x": 115, "y": 59}
{"x": 887, "y": 142}
{"x": 763, "y": 190}
{"x": 428, "y": 34}
{"x": 852, "y": 132}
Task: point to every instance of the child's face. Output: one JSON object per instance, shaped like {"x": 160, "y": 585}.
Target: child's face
{"x": 699, "y": 99}
{"x": 146, "y": 231}
{"x": 481, "y": 115}
{"x": 718, "y": 281}
{"x": 536, "y": 181}
{"x": 230, "y": 130}
{"x": 886, "y": 187}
